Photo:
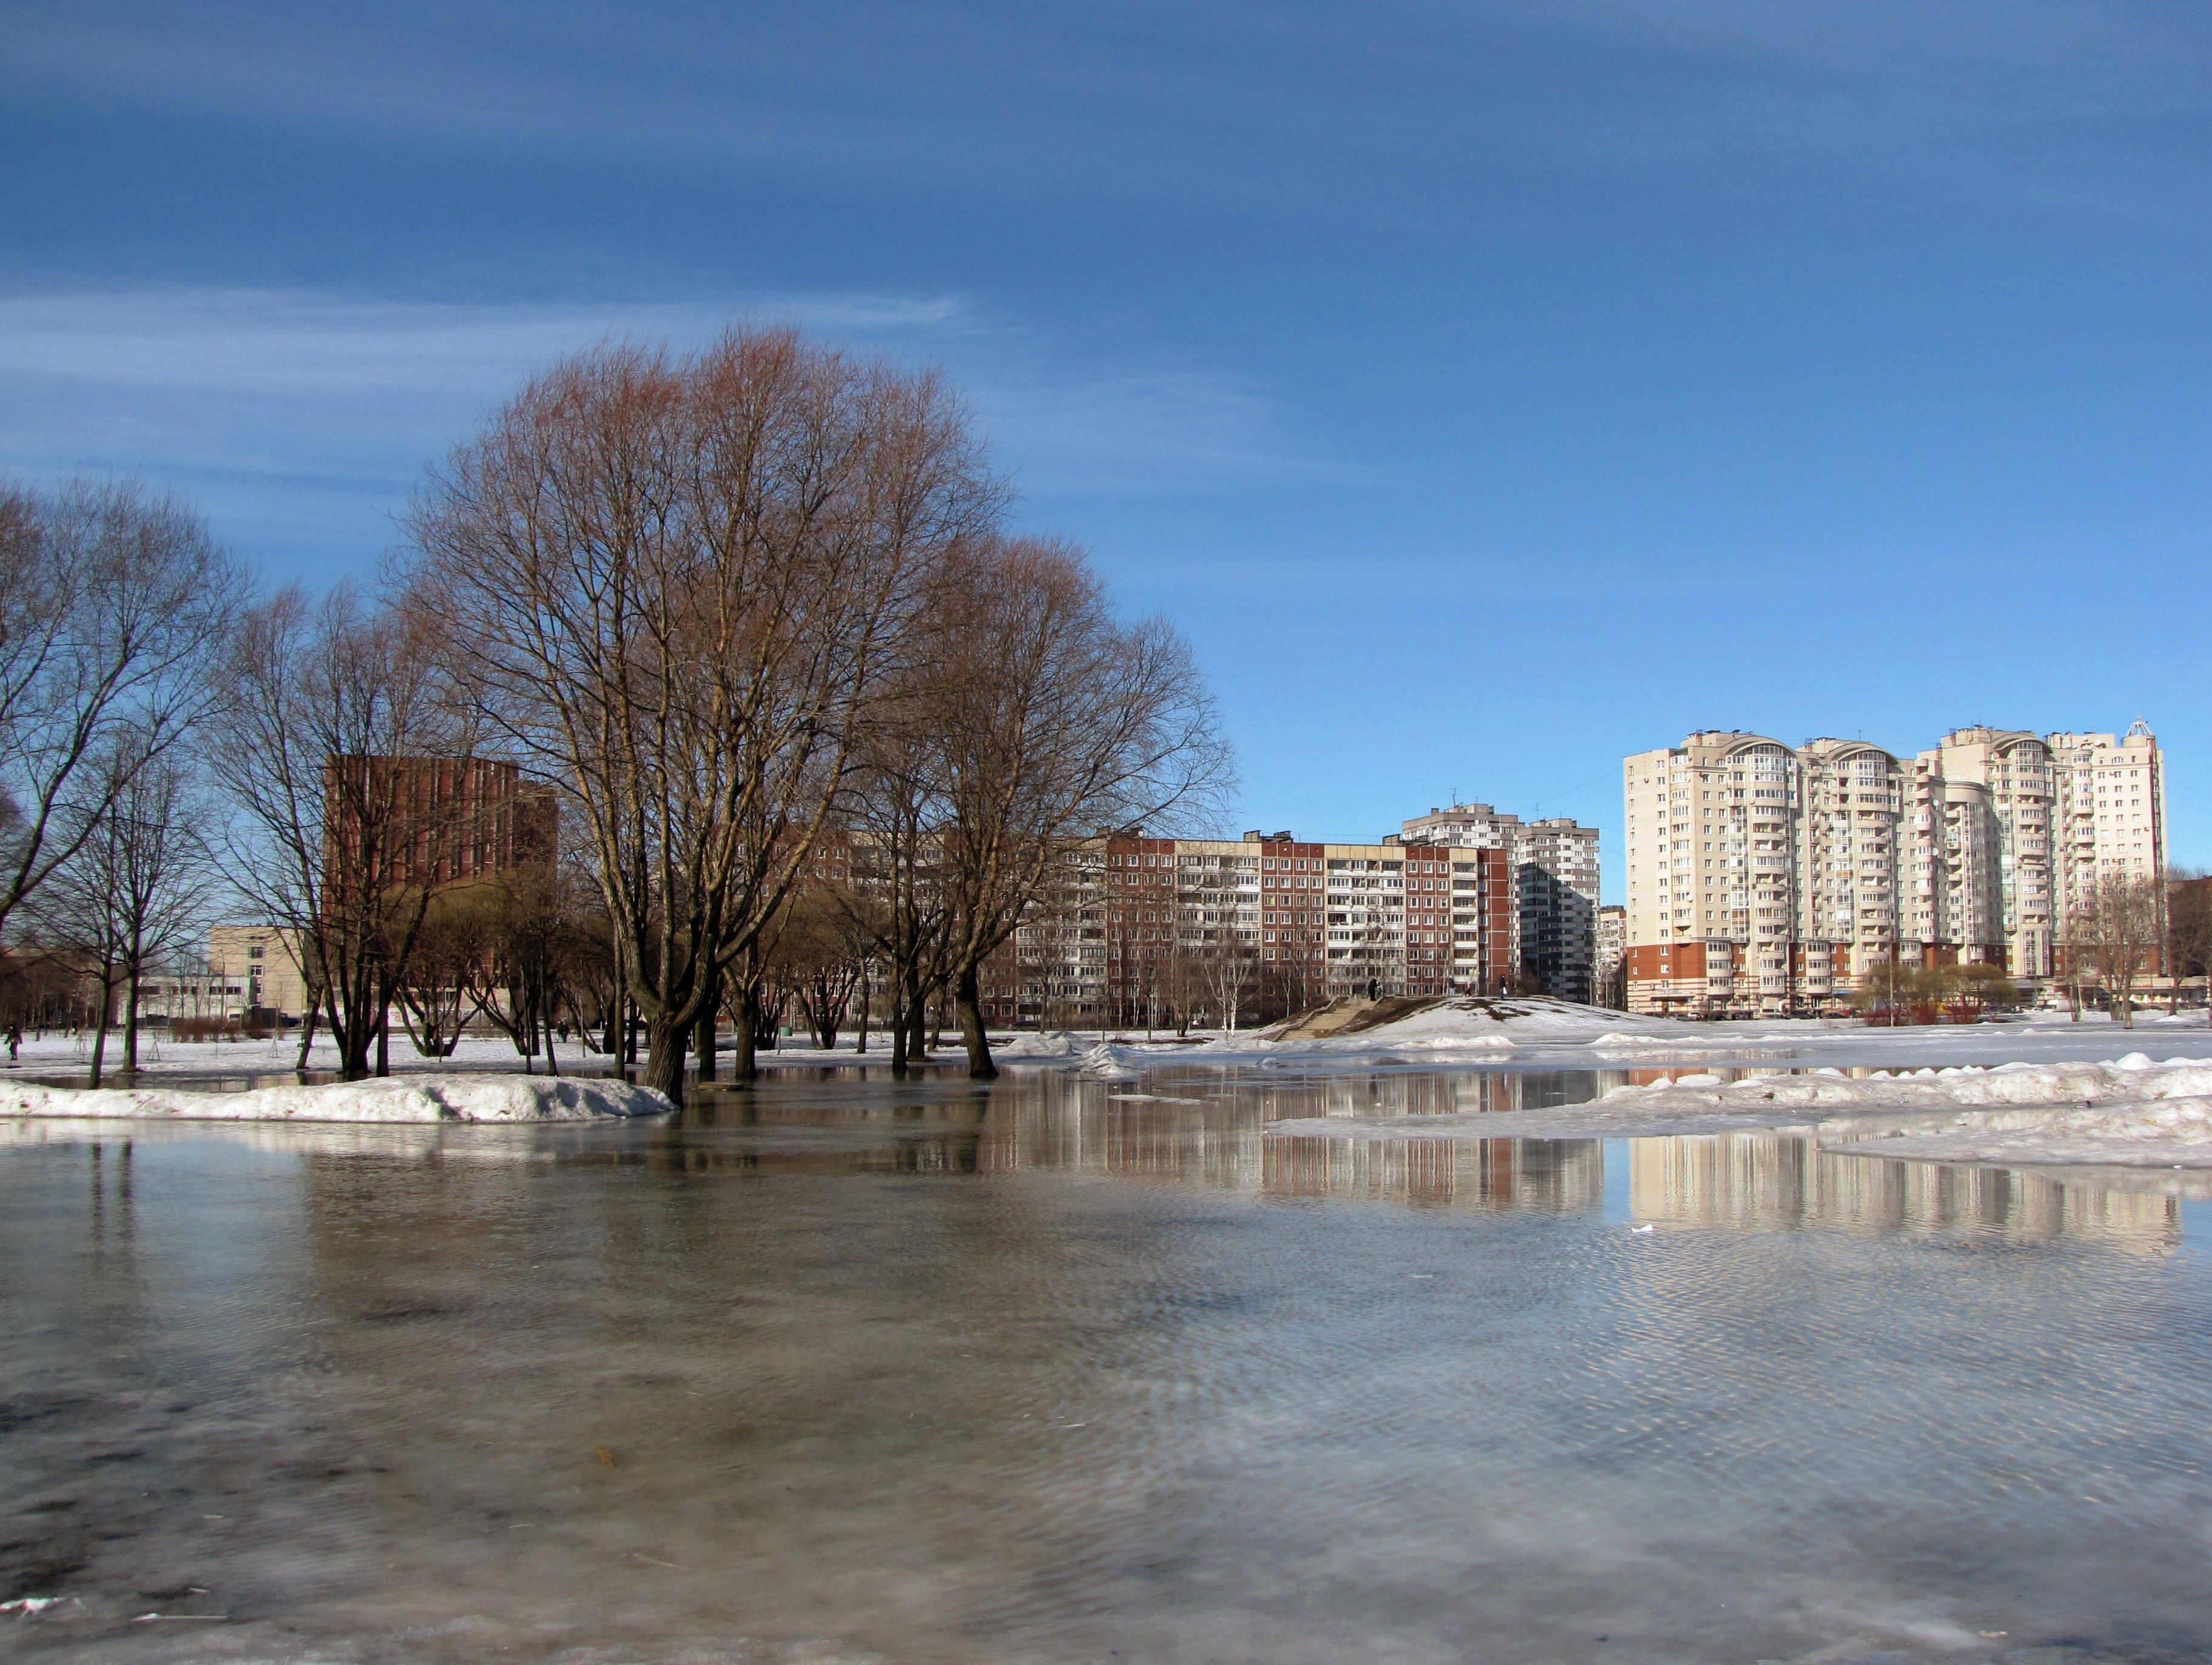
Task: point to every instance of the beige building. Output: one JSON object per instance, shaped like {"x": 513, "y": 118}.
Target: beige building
{"x": 261, "y": 962}
{"x": 1768, "y": 877}
{"x": 2108, "y": 813}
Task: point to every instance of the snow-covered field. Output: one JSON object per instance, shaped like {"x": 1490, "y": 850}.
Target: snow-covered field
{"x": 1549, "y": 1033}
{"x": 1553, "y": 1034}
{"x": 417, "y": 1098}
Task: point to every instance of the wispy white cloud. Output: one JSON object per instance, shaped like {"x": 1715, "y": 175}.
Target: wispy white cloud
{"x": 1250, "y": 99}
{"x": 309, "y": 417}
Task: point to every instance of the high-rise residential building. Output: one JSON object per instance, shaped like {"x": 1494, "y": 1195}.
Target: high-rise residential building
{"x": 1266, "y": 923}
{"x": 1612, "y": 950}
{"x": 2108, "y": 813}
{"x": 1768, "y": 877}
{"x": 1555, "y": 882}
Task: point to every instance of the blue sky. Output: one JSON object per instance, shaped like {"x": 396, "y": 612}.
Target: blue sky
{"x": 1487, "y": 390}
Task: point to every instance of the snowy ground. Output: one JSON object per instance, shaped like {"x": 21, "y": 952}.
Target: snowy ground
{"x": 1549, "y": 1034}
{"x": 417, "y": 1098}
{"x": 1554, "y": 1035}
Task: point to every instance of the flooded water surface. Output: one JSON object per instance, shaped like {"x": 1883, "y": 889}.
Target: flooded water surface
{"x": 842, "y": 1369}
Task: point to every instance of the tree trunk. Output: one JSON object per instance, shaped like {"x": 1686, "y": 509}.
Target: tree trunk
{"x": 744, "y": 1063}
{"x": 703, "y": 1036}
{"x": 353, "y": 1042}
{"x": 131, "y": 1020}
{"x": 307, "y": 1032}
{"x": 384, "y": 1037}
{"x": 99, "y": 1031}
{"x": 664, "y": 1059}
{"x": 861, "y": 1041}
{"x": 967, "y": 999}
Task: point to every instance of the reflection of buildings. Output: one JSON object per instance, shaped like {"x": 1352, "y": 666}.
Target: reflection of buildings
{"x": 1764, "y": 1180}
{"x": 1553, "y": 1175}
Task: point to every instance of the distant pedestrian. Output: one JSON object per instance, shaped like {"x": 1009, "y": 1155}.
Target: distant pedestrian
{"x": 14, "y": 1041}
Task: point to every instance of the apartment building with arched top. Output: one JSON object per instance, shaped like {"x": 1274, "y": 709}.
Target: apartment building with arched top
{"x": 1768, "y": 877}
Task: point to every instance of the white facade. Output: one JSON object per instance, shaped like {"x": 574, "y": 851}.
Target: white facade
{"x": 1789, "y": 871}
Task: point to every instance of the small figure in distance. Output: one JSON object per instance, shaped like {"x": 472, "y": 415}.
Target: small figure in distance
{"x": 14, "y": 1041}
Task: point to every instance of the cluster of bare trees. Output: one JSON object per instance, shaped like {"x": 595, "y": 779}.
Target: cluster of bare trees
{"x": 816, "y": 724}
{"x": 114, "y": 606}
{"x": 754, "y": 605}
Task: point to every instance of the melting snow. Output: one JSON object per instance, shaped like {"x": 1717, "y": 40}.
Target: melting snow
{"x": 411, "y": 1098}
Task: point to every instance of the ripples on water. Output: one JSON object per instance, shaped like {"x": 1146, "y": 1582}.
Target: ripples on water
{"x": 1066, "y": 1371}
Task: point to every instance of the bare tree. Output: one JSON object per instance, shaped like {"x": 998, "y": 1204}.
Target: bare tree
{"x": 136, "y": 889}
{"x": 321, "y": 749}
{"x": 819, "y": 958}
{"x": 1227, "y": 968}
{"x": 895, "y": 824}
{"x": 433, "y": 980}
{"x": 2188, "y": 928}
{"x": 113, "y": 603}
{"x": 534, "y": 955}
{"x": 2116, "y": 929}
{"x": 1054, "y": 718}
{"x": 678, "y": 583}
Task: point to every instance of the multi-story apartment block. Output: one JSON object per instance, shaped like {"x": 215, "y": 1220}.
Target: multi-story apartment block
{"x": 2108, "y": 813}
{"x": 1260, "y": 926}
{"x": 1612, "y": 950}
{"x": 1555, "y": 869}
{"x": 1764, "y": 877}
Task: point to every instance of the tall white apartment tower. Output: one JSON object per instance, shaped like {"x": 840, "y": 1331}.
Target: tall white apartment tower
{"x": 2109, "y": 810}
{"x": 1763, "y": 876}
{"x": 1983, "y": 862}
{"x": 1714, "y": 887}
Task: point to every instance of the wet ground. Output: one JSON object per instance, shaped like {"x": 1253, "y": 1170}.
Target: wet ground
{"x": 846, "y": 1370}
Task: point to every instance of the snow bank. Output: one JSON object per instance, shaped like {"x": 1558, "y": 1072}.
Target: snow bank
{"x": 1829, "y": 1091}
{"x": 2130, "y": 1111}
{"x": 1108, "y": 1063}
{"x": 2172, "y": 1133}
{"x": 1052, "y": 1044}
{"x": 1469, "y": 1021}
{"x": 414, "y": 1098}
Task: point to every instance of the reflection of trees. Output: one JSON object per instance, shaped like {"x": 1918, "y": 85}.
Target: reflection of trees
{"x": 1763, "y": 1180}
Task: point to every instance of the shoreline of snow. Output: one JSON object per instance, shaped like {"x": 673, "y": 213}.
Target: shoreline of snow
{"x": 410, "y": 1099}
{"x": 2128, "y": 1112}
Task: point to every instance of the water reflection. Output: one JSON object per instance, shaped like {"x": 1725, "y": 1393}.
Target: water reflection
{"x": 1063, "y": 1371}
{"x": 1752, "y": 1181}
{"x": 1199, "y": 1128}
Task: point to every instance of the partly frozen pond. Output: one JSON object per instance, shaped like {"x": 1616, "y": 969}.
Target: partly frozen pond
{"x": 1075, "y": 1371}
